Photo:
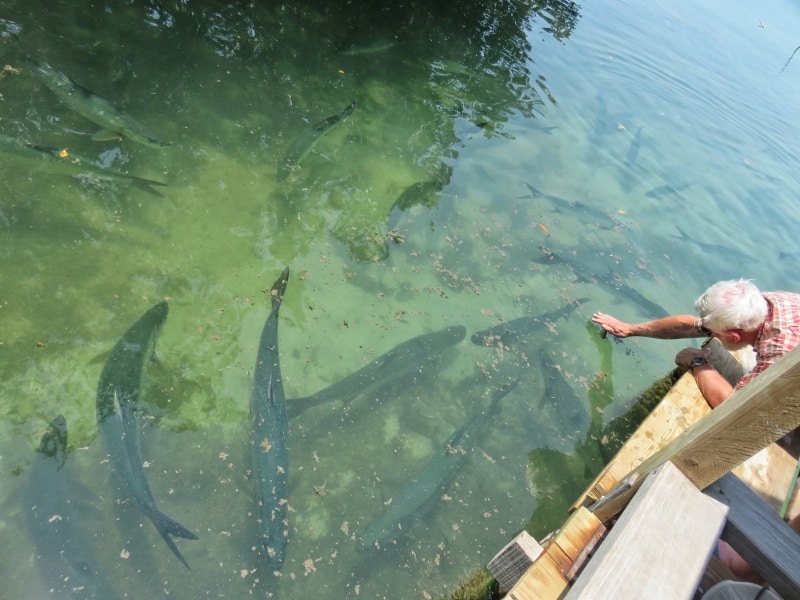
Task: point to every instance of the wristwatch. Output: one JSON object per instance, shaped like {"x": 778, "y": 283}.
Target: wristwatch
{"x": 697, "y": 361}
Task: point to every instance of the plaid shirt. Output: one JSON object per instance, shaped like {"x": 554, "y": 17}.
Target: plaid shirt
{"x": 779, "y": 333}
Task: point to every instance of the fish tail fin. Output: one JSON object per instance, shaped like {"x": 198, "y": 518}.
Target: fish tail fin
{"x": 171, "y": 543}
{"x": 279, "y": 288}
{"x": 534, "y": 192}
{"x": 683, "y": 235}
{"x": 146, "y": 185}
{"x": 168, "y": 527}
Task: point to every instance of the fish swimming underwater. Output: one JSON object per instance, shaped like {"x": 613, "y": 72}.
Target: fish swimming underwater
{"x": 114, "y": 122}
{"x": 633, "y": 150}
{"x": 411, "y": 355}
{"x": 117, "y": 396}
{"x": 599, "y": 216}
{"x": 663, "y": 191}
{"x": 609, "y": 280}
{"x": 62, "y": 162}
{"x": 303, "y": 144}
{"x": 567, "y": 411}
{"x": 62, "y": 551}
{"x": 427, "y": 484}
{"x": 506, "y": 335}
{"x": 269, "y": 430}
{"x": 373, "y": 47}
{"x": 718, "y": 250}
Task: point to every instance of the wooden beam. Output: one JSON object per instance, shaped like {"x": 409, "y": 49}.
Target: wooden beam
{"x": 683, "y": 406}
{"x": 760, "y": 536}
{"x": 660, "y": 545}
{"x": 751, "y": 419}
{"x": 680, "y": 408}
{"x": 563, "y": 555}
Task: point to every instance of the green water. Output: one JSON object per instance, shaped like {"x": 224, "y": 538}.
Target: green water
{"x": 471, "y": 105}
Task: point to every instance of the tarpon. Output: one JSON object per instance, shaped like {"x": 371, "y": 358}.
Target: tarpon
{"x": 574, "y": 206}
{"x": 505, "y": 335}
{"x": 568, "y": 413}
{"x": 117, "y": 397}
{"x": 412, "y": 355}
{"x": 423, "y": 192}
{"x": 98, "y": 110}
{"x": 61, "y": 161}
{"x": 62, "y": 551}
{"x": 373, "y": 47}
{"x": 269, "y": 426}
{"x": 303, "y": 144}
{"x": 425, "y": 487}
{"x": 663, "y": 191}
{"x": 633, "y": 149}
{"x": 610, "y": 280}
{"x": 714, "y": 249}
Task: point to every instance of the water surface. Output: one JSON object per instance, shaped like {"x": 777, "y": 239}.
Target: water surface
{"x": 652, "y": 148}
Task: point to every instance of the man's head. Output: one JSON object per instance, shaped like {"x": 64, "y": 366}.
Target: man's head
{"x": 733, "y": 310}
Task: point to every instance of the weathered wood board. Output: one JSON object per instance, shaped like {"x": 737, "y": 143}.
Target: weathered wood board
{"x": 660, "y": 545}
{"x": 556, "y": 564}
{"x": 750, "y": 420}
{"x": 682, "y": 407}
{"x": 759, "y": 535}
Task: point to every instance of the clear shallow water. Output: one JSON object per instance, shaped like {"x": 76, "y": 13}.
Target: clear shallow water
{"x": 700, "y": 87}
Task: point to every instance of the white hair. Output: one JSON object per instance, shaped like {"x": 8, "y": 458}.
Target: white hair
{"x": 732, "y": 304}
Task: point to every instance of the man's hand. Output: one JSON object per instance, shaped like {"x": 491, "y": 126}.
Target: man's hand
{"x": 612, "y": 325}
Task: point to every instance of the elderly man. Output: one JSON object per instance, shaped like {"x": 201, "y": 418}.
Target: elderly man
{"x": 738, "y": 315}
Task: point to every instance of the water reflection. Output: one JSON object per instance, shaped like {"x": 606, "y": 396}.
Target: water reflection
{"x": 278, "y": 70}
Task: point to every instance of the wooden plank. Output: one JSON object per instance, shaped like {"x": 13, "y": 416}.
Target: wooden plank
{"x": 660, "y": 545}
{"x": 748, "y": 421}
{"x": 681, "y": 407}
{"x": 549, "y": 576}
{"x": 756, "y": 532}
{"x": 769, "y": 474}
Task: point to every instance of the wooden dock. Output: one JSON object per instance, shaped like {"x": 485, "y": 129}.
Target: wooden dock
{"x": 689, "y": 476}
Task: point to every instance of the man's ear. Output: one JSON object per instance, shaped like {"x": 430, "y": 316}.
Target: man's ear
{"x": 734, "y": 336}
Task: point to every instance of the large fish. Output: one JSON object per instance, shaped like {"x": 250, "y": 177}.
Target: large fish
{"x": 117, "y": 397}
{"x": 114, "y": 122}
{"x": 269, "y": 426}
{"x": 505, "y": 335}
{"x": 410, "y": 356}
{"x": 717, "y": 250}
{"x": 662, "y": 191}
{"x": 609, "y": 280}
{"x": 425, "y": 487}
{"x": 62, "y": 162}
{"x": 303, "y": 144}
{"x": 373, "y": 47}
{"x": 567, "y": 412}
{"x": 575, "y": 207}
{"x": 62, "y": 551}
{"x": 423, "y": 192}
{"x": 633, "y": 150}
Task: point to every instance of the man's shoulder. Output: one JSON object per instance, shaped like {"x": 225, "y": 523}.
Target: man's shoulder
{"x": 791, "y": 298}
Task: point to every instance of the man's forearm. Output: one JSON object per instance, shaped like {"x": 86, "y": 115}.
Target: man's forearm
{"x": 669, "y": 328}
